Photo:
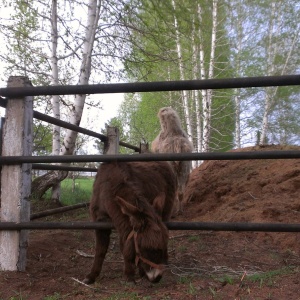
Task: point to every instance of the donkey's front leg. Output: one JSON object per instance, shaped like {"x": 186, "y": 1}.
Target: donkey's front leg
{"x": 129, "y": 270}
{"x": 102, "y": 243}
{"x": 128, "y": 251}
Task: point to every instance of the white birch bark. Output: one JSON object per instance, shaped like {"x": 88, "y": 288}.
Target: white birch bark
{"x": 55, "y": 99}
{"x": 54, "y": 78}
{"x": 207, "y": 96}
{"x": 84, "y": 76}
{"x": 196, "y": 98}
{"x": 182, "y": 77}
{"x": 272, "y": 52}
{"x": 237, "y": 100}
{"x": 202, "y": 76}
{"x": 270, "y": 69}
{"x": 50, "y": 179}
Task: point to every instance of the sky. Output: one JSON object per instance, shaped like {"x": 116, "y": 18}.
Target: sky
{"x": 95, "y": 119}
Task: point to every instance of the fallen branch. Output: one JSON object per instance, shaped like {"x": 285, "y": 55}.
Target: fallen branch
{"x": 81, "y": 253}
{"x": 90, "y": 287}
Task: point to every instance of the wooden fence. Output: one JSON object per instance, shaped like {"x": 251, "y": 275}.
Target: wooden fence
{"x": 17, "y": 162}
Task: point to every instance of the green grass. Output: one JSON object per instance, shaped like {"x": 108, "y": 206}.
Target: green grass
{"x": 268, "y": 278}
{"x": 18, "y": 296}
{"x": 72, "y": 194}
{"x": 123, "y": 296}
{"x": 56, "y": 296}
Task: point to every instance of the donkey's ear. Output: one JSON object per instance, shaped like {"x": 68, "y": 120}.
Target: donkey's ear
{"x": 159, "y": 203}
{"x": 127, "y": 208}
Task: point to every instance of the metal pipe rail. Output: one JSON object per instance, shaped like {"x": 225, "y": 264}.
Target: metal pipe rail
{"x": 156, "y": 86}
{"x": 14, "y": 160}
{"x": 62, "y": 168}
{"x": 262, "y": 227}
{"x": 55, "y": 211}
{"x": 76, "y": 128}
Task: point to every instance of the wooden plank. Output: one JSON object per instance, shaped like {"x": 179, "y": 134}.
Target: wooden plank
{"x": 16, "y": 179}
{"x": 144, "y": 148}
{"x": 111, "y": 146}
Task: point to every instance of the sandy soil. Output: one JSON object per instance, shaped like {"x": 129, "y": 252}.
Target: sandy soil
{"x": 203, "y": 264}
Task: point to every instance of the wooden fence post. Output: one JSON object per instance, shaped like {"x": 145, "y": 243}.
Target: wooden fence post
{"x": 16, "y": 179}
{"x": 2, "y": 120}
{"x": 111, "y": 146}
{"x": 144, "y": 148}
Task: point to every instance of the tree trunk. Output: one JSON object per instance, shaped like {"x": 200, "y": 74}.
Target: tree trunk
{"x": 272, "y": 51}
{"x": 237, "y": 99}
{"x": 196, "y": 98}
{"x": 270, "y": 69}
{"x": 182, "y": 77}
{"x": 207, "y": 95}
{"x": 55, "y": 99}
{"x": 85, "y": 72}
{"x": 43, "y": 183}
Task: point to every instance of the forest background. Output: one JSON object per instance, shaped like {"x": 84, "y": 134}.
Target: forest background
{"x": 84, "y": 42}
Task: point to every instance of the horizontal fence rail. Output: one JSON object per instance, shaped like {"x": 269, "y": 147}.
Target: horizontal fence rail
{"x": 263, "y": 227}
{"x": 62, "y": 168}
{"x": 67, "y": 125}
{"x": 76, "y": 128}
{"x": 13, "y": 160}
{"x": 55, "y": 211}
{"x": 156, "y": 86}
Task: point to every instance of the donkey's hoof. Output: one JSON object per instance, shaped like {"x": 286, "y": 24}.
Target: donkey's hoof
{"x": 88, "y": 280}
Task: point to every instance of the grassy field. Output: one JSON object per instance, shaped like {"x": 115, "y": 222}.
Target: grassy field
{"x": 75, "y": 192}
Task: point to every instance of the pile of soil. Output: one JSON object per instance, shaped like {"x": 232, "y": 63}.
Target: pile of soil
{"x": 257, "y": 191}
{"x": 202, "y": 264}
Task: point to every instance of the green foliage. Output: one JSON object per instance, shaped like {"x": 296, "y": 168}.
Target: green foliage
{"x": 139, "y": 117}
{"x": 254, "y": 38}
{"x": 115, "y": 122}
{"x": 42, "y": 138}
{"x": 154, "y": 57}
{"x": 271, "y": 49}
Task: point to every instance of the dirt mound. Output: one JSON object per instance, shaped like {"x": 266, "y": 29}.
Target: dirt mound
{"x": 260, "y": 191}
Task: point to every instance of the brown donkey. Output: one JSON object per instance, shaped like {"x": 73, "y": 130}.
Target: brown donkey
{"x": 137, "y": 197}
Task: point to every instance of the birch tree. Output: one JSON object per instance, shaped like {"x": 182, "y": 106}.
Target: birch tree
{"x": 207, "y": 94}
{"x": 274, "y": 50}
{"x": 186, "y": 105}
{"x": 62, "y": 44}
{"x": 279, "y": 58}
{"x": 53, "y": 178}
{"x": 180, "y": 42}
{"x": 55, "y": 98}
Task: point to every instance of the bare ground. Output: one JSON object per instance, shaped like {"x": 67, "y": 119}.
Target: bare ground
{"x": 203, "y": 264}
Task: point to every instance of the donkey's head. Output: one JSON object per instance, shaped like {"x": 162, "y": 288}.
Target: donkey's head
{"x": 149, "y": 236}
